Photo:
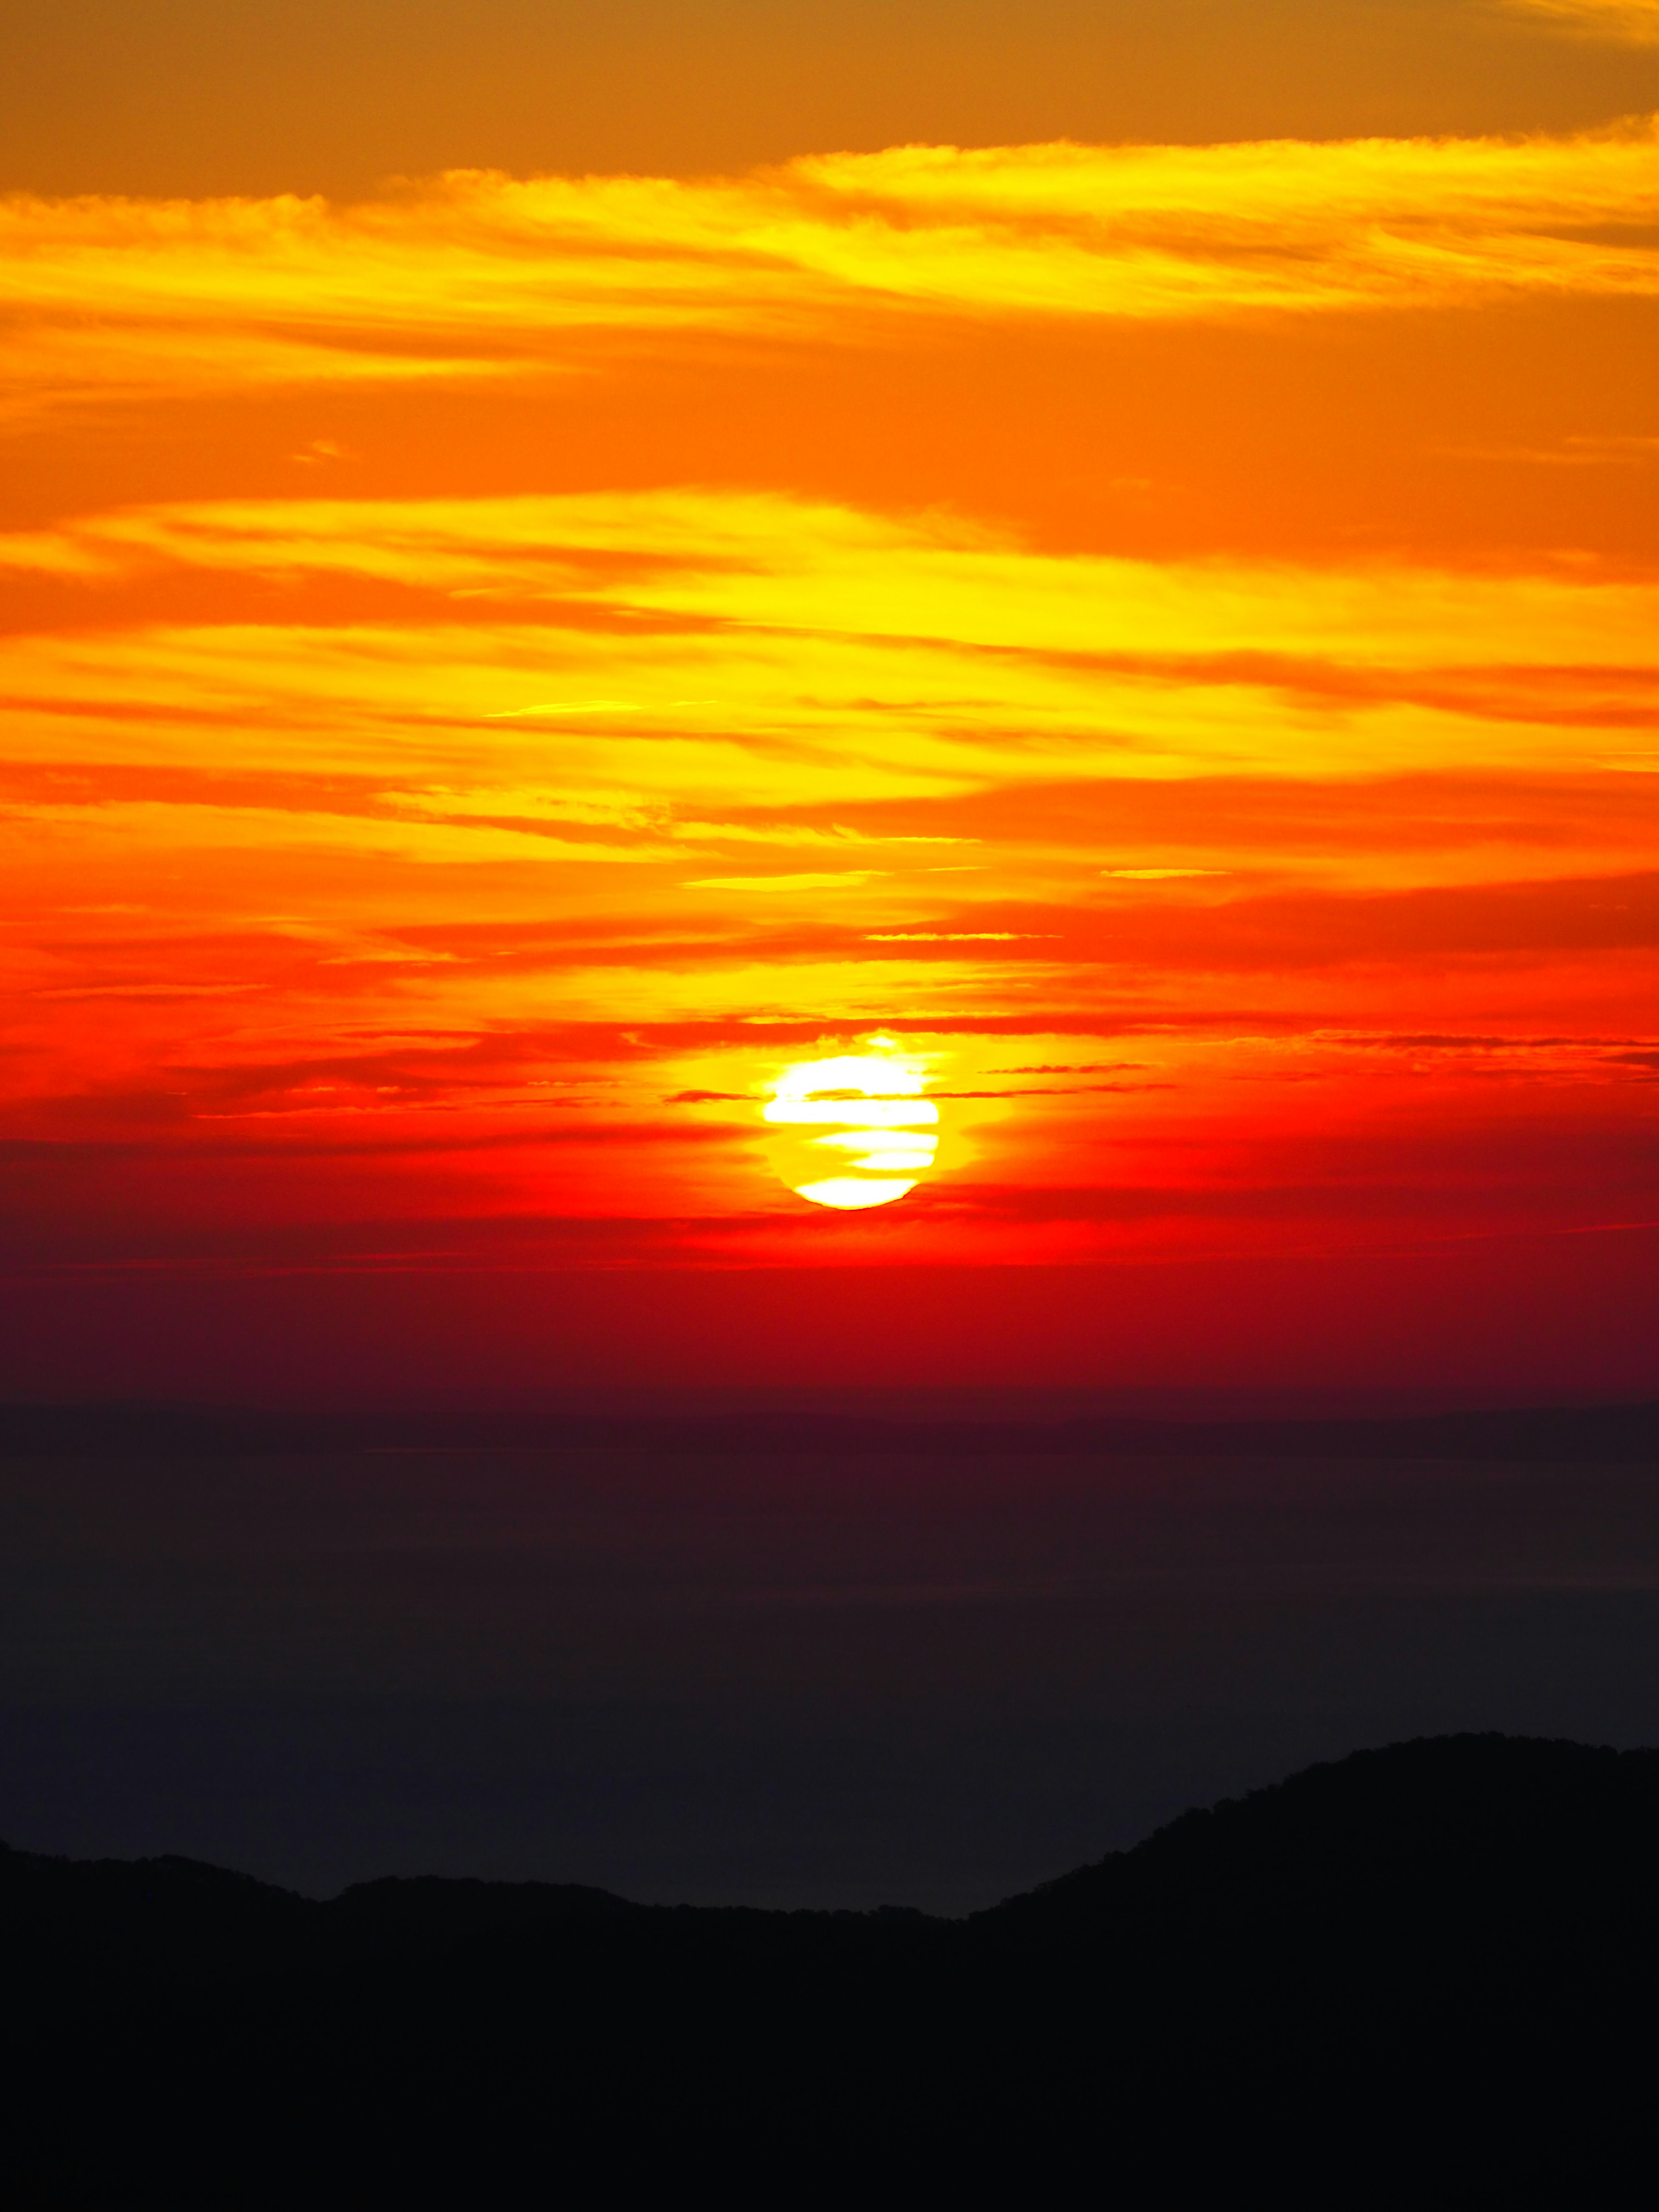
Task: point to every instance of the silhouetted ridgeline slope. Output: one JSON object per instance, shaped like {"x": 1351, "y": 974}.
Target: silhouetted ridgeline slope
{"x": 1439, "y": 1956}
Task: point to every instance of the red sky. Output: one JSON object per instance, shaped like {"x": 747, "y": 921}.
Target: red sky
{"x": 1014, "y": 547}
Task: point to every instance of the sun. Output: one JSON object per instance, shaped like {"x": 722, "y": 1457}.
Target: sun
{"x": 861, "y": 1114}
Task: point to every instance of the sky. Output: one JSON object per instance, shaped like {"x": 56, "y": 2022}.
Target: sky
{"x": 718, "y": 691}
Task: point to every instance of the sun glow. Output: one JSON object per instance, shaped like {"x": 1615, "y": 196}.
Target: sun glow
{"x": 866, "y": 1106}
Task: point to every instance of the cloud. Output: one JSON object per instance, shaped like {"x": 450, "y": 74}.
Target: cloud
{"x": 852, "y": 657}
{"x": 1624, "y": 22}
{"x": 481, "y": 276}
{"x": 842, "y": 879}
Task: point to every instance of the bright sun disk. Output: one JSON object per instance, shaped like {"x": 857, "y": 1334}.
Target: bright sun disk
{"x": 867, "y": 1106}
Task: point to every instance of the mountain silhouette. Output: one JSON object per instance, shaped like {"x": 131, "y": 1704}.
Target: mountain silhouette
{"x": 1423, "y": 1969}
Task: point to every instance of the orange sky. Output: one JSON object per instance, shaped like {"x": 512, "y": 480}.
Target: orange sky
{"x": 498, "y": 671}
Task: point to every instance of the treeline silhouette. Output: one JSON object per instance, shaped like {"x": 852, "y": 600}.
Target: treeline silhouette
{"x": 1424, "y": 1971}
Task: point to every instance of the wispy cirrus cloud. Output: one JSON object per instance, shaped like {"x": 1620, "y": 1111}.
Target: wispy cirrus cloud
{"x": 747, "y": 647}
{"x": 1625, "y": 22}
{"x": 480, "y": 275}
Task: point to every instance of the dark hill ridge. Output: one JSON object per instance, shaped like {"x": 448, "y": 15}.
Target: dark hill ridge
{"x": 1496, "y": 1827}
{"x": 1482, "y": 1821}
{"x": 91, "y": 1934}
{"x": 1445, "y": 1947}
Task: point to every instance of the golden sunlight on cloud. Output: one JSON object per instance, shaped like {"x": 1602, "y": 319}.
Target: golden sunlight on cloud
{"x": 478, "y": 275}
{"x": 757, "y": 648}
{"x": 1635, "y": 22}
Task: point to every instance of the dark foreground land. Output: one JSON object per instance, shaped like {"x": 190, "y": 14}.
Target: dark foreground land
{"x": 1420, "y": 1973}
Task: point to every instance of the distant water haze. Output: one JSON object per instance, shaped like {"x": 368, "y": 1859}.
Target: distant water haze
{"x": 815, "y": 1657}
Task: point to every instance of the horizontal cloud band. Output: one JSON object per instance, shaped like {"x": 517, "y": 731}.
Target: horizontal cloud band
{"x": 477, "y": 273}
